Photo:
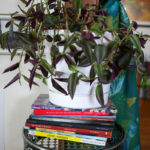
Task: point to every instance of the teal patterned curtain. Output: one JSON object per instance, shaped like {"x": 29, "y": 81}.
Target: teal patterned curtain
{"x": 124, "y": 90}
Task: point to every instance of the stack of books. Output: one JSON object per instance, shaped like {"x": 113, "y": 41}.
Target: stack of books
{"x": 90, "y": 126}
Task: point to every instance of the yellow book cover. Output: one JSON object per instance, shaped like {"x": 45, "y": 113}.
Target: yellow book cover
{"x": 68, "y": 138}
{"x": 52, "y": 130}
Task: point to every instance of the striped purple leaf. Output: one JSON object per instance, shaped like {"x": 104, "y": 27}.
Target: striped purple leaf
{"x": 17, "y": 77}
{"x": 32, "y": 76}
{"x": 11, "y": 68}
{"x": 58, "y": 87}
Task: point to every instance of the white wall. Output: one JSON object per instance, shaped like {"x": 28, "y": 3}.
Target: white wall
{"x": 9, "y": 6}
{"x": 18, "y": 99}
{"x": 17, "y": 105}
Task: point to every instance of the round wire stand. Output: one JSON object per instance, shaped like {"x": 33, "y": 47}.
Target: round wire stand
{"x": 39, "y": 143}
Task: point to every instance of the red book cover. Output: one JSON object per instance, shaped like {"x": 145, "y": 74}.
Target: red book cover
{"x": 106, "y": 134}
{"x": 67, "y": 112}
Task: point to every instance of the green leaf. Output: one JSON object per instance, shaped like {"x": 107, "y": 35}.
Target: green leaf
{"x": 27, "y": 80}
{"x": 24, "y": 38}
{"x": 146, "y": 36}
{"x": 96, "y": 28}
{"x": 73, "y": 68}
{"x": 98, "y": 68}
{"x": 13, "y": 53}
{"x": 112, "y": 45}
{"x": 109, "y": 21}
{"x": 44, "y": 81}
{"x": 47, "y": 66}
{"x": 99, "y": 94}
{"x": 92, "y": 74}
{"x": 70, "y": 41}
{"x": 39, "y": 76}
{"x": 105, "y": 77}
{"x": 124, "y": 60}
{"x": 101, "y": 52}
{"x": 86, "y": 46}
{"x": 135, "y": 41}
{"x": 72, "y": 84}
{"x": 84, "y": 62}
{"x": 77, "y": 4}
{"x": 3, "y": 40}
{"x": 48, "y": 21}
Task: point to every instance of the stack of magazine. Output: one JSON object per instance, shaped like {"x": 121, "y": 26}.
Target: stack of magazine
{"x": 90, "y": 126}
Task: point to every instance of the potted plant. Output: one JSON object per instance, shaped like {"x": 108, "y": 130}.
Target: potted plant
{"x": 75, "y": 48}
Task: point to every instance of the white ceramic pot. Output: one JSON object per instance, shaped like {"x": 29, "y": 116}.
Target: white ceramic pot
{"x": 85, "y": 94}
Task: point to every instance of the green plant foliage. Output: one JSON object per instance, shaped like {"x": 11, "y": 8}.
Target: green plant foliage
{"x": 83, "y": 43}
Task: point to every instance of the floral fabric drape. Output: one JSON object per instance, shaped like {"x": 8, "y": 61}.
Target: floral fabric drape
{"x": 124, "y": 90}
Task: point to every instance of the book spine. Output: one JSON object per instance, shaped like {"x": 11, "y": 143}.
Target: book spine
{"x": 96, "y": 119}
{"x": 68, "y": 138}
{"x": 107, "y": 134}
{"x": 52, "y": 107}
{"x": 74, "y": 116}
{"x": 70, "y": 134}
{"x": 67, "y": 124}
{"x": 65, "y": 112}
{"x": 52, "y": 130}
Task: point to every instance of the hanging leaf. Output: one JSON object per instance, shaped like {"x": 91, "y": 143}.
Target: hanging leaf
{"x": 62, "y": 79}
{"x": 48, "y": 21}
{"x": 17, "y": 77}
{"x": 56, "y": 61}
{"x": 58, "y": 87}
{"x": 57, "y": 38}
{"x": 135, "y": 41}
{"x": 99, "y": 94}
{"x": 101, "y": 52}
{"x": 68, "y": 60}
{"x": 24, "y": 12}
{"x": 54, "y": 51}
{"x": 27, "y": 80}
{"x": 19, "y": 18}
{"x": 26, "y": 58}
{"x": 77, "y": 4}
{"x": 72, "y": 84}
{"x": 11, "y": 68}
{"x": 109, "y": 22}
{"x": 47, "y": 66}
{"x": 32, "y": 76}
{"x": 92, "y": 74}
{"x": 105, "y": 77}
{"x": 24, "y": 38}
{"x": 24, "y": 1}
{"x": 84, "y": 61}
{"x": 8, "y": 24}
{"x": 28, "y": 3}
{"x": 87, "y": 49}
{"x": 49, "y": 38}
{"x": 44, "y": 71}
{"x": 124, "y": 60}
{"x": 13, "y": 53}
{"x": 73, "y": 68}
{"x": 98, "y": 68}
